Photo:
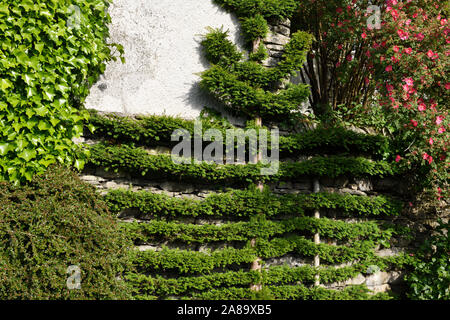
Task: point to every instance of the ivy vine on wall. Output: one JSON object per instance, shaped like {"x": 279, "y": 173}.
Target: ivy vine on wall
{"x": 51, "y": 52}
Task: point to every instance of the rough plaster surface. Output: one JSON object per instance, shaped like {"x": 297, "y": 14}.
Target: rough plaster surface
{"x": 163, "y": 57}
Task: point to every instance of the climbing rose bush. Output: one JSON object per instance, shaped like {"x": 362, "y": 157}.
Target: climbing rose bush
{"x": 410, "y": 67}
{"x": 401, "y": 64}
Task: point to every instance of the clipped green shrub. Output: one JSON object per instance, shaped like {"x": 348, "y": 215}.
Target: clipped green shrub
{"x": 153, "y": 130}
{"x": 245, "y": 86}
{"x": 54, "y": 222}
{"x": 138, "y": 163}
{"x": 51, "y": 52}
{"x": 254, "y": 27}
{"x": 270, "y": 9}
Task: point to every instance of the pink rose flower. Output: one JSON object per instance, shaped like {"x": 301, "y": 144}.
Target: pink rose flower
{"x": 420, "y": 36}
{"x": 409, "y": 81}
{"x": 403, "y": 34}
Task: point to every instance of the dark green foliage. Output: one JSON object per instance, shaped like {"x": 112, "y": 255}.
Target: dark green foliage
{"x": 156, "y": 131}
{"x": 277, "y": 276}
{"x": 254, "y": 28}
{"x": 270, "y": 9}
{"x": 194, "y": 262}
{"x": 163, "y": 287}
{"x": 48, "y": 60}
{"x": 139, "y": 163}
{"x": 430, "y": 278}
{"x": 245, "y": 86}
{"x": 244, "y": 231}
{"x": 50, "y": 224}
{"x": 187, "y": 261}
{"x": 242, "y": 96}
{"x": 246, "y": 203}
{"x": 359, "y": 292}
{"x": 297, "y": 292}
{"x": 330, "y": 254}
{"x": 219, "y": 49}
{"x": 336, "y": 140}
{"x": 260, "y": 55}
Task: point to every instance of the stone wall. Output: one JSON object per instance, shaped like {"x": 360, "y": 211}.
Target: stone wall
{"x": 376, "y": 281}
{"x": 163, "y": 56}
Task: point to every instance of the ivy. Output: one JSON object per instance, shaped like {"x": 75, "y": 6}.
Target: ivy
{"x": 49, "y": 57}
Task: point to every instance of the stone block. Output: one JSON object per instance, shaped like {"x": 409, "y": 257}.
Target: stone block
{"x": 364, "y": 184}
{"x": 353, "y": 192}
{"x": 276, "y": 38}
{"x": 281, "y": 29}
{"x": 274, "y": 47}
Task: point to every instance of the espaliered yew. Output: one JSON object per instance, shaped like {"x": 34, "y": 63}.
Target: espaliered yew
{"x": 255, "y": 226}
{"x": 139, "y": 163}
{"x": 246, "y": 203}
{"x": 246, "y": 87}
{"x": 151, "y": 131}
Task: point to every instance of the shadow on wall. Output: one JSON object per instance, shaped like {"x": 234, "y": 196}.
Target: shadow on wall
{"x": 163, "y": 57}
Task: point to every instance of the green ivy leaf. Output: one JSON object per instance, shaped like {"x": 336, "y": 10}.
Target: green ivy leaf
{"x": 5, "y": 84}
{"x": 27, "y": 154}
{"x": 4, "y": 148}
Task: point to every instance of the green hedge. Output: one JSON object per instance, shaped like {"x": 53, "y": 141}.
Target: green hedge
{"x": 161, "y": 287}
{"x": 329, "y": 254}
{"x": 294, "y": 292}
{"x": 139, "y": 163}
{"x": 185, "y": 261}
{"x": 246, "y": 203}
{"x": 243, "y": 231}
{"x": 270, "y": 9}
{"x": 155, "y": 131}
{"x": 54, "y": 222}
{"x": 278, "y": 275}
{"x": 246, "y": 87}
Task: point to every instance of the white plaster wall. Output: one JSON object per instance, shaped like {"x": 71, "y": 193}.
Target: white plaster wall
{"x": 163, "y": 57}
